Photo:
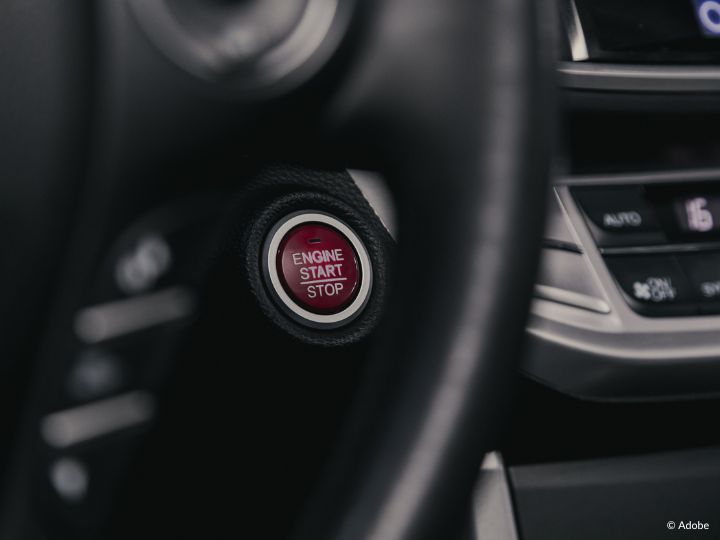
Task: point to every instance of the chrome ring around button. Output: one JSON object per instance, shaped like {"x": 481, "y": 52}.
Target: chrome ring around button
{"x": 296, "y": 311}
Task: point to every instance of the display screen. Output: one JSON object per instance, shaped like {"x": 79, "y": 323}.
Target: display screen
{"x": 698, "y": 213}
{"x": 687, "y": 212}
{"x": 652, "y": 31}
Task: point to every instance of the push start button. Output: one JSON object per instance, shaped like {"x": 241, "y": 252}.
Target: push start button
{"x": 318, "y": 268}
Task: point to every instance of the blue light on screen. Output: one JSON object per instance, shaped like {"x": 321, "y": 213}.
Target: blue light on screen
{"x": 707, "y": 13}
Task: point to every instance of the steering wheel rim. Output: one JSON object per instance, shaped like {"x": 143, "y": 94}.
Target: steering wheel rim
{"x": 466, "y": 145}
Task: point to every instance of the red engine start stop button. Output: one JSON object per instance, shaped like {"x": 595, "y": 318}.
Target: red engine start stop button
{"x": 318, "y": 268}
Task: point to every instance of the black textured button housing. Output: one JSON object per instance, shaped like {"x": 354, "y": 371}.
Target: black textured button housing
{"x": 703, "y": 272}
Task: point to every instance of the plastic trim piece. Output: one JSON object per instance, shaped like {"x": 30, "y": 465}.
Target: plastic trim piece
{"x": 493, "y": 515}
{"x": 621, "y": 355}
{"x": 640, "y": 497}
{"x": 639, "y": 78}
{"x": 575, "y": 32}
{"x": 67, "y": 428}
{"x": 96, "y": 324}
{"x": 562, "y": 296}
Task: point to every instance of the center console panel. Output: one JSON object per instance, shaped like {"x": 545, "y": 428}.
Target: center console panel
{"x": 627, "y": 300}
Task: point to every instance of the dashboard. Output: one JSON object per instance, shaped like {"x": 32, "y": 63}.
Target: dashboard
{"x": 624, "y": 345}
{"x": 138, "y": 387}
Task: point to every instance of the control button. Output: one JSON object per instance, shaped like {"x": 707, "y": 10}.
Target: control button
{"x": 143, "y": 264}
{"x": 318, "y": 269}
{"x": 703, "y": 271}
{"x": 617, "y": 209}
{"x": 651, "y": 281}
{"x": 620, "y": 215}
{"x": 165, "y": 248}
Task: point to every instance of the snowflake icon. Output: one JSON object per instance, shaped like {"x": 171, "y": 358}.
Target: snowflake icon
{"x": 641, "y": 291}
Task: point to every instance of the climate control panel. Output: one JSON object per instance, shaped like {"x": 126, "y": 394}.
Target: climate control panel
{"x": 627, "y": 301}
{"x": 661, "y": 243}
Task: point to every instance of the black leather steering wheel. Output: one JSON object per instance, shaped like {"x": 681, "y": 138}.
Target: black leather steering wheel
{"x": 452, "y": 101}
{"x": 464, "y": 128}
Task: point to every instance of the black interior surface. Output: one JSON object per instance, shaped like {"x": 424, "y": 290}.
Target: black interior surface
{"x": 169, "y": 146}
{"x": 167, "y": 138}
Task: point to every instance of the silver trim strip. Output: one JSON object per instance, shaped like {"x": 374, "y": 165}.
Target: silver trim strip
{"x": 575, "y": 32}
{"x": 571, "y": 298}
{"x": 654, "y": 177}
{"x": 107, "y": 321}
{"x": 493, "y": 514}
{"x": 639, "y": 78}
{"x": 665, "y": 248}
{"x": 73, "y": 426}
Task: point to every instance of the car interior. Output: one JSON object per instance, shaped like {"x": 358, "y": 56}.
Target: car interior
{"x": 359, "y": 269}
